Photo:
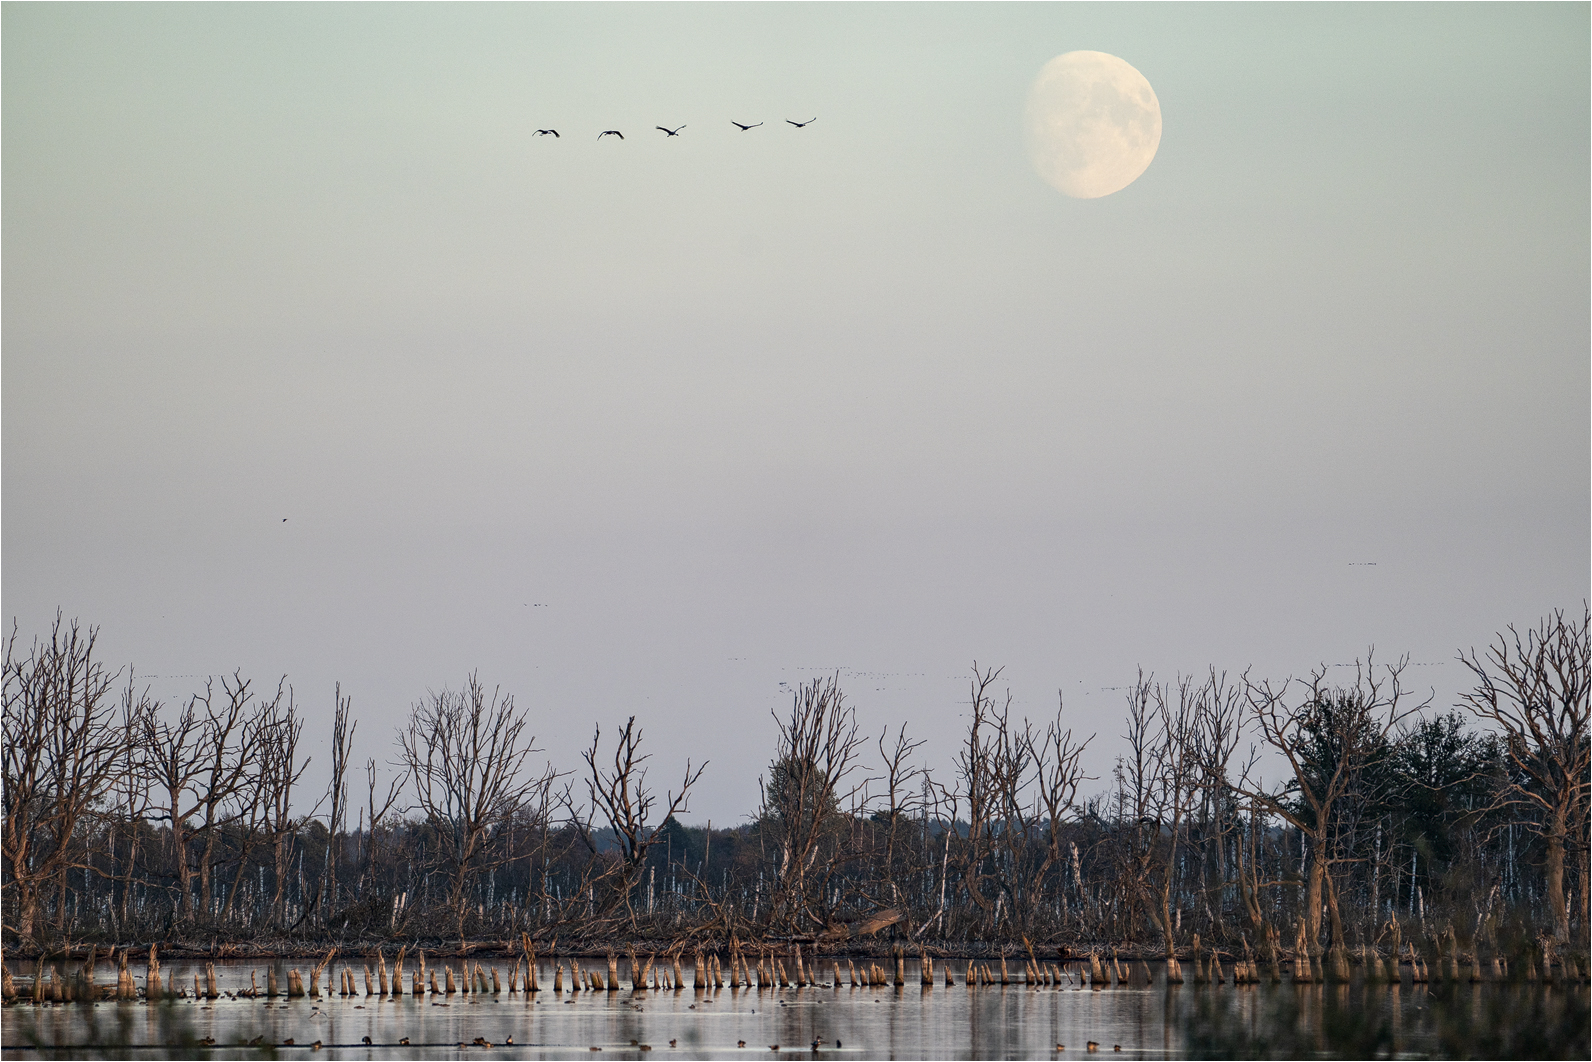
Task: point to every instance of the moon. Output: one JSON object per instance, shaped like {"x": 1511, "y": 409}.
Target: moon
{"x": 1092, "y": 124}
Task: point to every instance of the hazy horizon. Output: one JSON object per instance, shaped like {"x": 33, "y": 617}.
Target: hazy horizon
{"x": 318, "y": 363}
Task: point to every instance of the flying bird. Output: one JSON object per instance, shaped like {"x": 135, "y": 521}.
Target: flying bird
{"x": 546, "y": 132}
{"x": 671, "y": 132}
{"x": 743, "y": 128}
{"x": 610, "y": 132}
{"x": 801, "y": 125}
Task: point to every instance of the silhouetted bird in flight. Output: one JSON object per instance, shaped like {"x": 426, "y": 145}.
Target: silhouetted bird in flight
{"x": 546, "y": 132}
{"x": 610, "y": 132}
{"x": 801, "y": 125}
{"x": 671, "y": 132}
{"x": 743, "y": 128}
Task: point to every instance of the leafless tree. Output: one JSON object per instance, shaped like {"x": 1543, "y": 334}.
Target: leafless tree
{"x": 900, "y": 800}
{"x": 1328, "y": 737}
{"x": 983, "y": 765}
{"x": 463, "y": 753}
{"x": 343, "y": 728}
{"x": 1534, "y": 689}
{"x": 198, "y": 765}
{"x": 376, "y": 814}
{"x": 620, "y": 795}
{"x": 1052, "y": 758}
{"x": 815, "y": 752}
{"x": 1216, "y": 731}
{"x": 62, "y": 753}
{"x": 130, "y": 792}
{"x": 279, "y": 729}
{"x": 1158, "y": 784}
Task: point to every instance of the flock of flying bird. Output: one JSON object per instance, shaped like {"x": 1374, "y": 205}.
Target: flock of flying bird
{"x": 676, "y": 131}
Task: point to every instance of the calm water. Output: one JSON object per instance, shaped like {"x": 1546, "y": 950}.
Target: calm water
{"x": 913, "y": 1022}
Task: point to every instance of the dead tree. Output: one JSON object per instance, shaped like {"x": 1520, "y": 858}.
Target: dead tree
{"x": 1019, "y": 786}
{"x": 620, "y": 795}
{"x": 279, "y": 729}
{"x": 376, "y": 815}
{"x": 980, "y": 768}
{"x": 129, "y": 796}
{"x": 1158, "y": 782}
{"x": 62, "y": 752}
{"x": 1329, "y": 737}
{"x": 197, "y": 765}
{"x": 817, "y": 750}
{"x": 1053, "y": 757}
{"x": 899, "y": 774}
{"x": 1216, "y": 731}
{"x": 463, "y": 753}
{"x": 1534, "y": 689}
{"x": 343, "y": 729}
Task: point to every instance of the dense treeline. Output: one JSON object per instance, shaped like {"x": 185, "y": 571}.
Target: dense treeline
{"x": 1305, "y": 817}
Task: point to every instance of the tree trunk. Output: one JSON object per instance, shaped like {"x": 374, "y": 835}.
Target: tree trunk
{"x": 1313, "y": 887}
{"x": 1554, "y": 873}
{"x": 179, "y": 841}
{"x": 1335, "y": 918}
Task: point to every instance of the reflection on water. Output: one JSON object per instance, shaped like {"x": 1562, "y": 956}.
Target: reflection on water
{"x": 1187, "y": 1021}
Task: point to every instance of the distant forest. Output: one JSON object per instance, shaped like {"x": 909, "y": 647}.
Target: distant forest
{"x": 1384, "y": 823}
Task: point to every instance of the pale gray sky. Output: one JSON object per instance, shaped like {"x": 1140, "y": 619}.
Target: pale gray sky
{"x": 655, "y": 426}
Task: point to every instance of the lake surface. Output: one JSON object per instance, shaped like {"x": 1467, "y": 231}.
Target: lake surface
{"x": 995, "y": 1022}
